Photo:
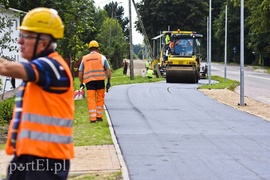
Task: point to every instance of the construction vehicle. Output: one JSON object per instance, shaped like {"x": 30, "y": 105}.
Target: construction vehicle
{"x": 180, "y": 60}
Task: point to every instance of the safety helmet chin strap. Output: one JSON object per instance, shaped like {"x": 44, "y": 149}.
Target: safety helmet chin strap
{"x": 45, "y": 52}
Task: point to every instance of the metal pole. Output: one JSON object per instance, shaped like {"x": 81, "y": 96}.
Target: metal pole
{"x": 210, "y": 33}
{"x": 207, "y": 22}
{"x": 225, "y": 48}
{"x": 130, "y": 44}
{"x": 242, "y": 56}
{"x": 4, "y": 90}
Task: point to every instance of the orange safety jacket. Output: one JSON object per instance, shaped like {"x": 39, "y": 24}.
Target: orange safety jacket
{"x": 46, "y": 122}
{"x": 93, "y": 67}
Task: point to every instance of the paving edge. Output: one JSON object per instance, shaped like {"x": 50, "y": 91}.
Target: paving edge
{"x": 124, "y": 169}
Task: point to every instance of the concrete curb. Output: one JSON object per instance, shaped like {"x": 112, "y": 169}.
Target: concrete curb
{"x": 118, "y": 150}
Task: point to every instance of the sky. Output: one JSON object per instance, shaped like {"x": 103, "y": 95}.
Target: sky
{"x": 137, "y": 38}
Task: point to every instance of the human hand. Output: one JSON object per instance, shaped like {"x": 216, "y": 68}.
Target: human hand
{"x": 81, "y": 86}
{"x": 108, "y": 85}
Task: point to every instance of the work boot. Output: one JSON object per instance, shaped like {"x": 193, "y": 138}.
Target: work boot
{"x": 99, "y": 119}
{"x": 92, "y": 121}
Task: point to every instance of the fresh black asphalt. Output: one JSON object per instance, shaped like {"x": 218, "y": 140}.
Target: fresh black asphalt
{"x": 175, "y": 132}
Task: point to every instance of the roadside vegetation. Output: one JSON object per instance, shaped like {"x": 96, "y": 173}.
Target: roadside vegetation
{"x": 222, "y": 84}
{"x": 266, "y": 69}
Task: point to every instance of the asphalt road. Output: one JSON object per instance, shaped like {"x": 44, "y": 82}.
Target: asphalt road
{"x": 175, "y": 132}
{"x": 256, "y": 83}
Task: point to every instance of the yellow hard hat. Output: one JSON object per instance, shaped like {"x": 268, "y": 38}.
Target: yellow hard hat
{"x": 93, "y": 43}
{"x": 45, "y": 21}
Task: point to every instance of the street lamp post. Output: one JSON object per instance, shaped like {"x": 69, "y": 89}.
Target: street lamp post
{"x": 242, "y": 103}
{"x": 130, "y": 44}
{"x": 209, "y": 42}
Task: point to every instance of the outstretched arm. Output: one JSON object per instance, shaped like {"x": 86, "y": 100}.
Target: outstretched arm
{"x": 12, "y": 69}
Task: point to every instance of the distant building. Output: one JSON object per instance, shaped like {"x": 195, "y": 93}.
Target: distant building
{"x": 14, "y": 54}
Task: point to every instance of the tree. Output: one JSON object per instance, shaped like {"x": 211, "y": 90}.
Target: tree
{"x": 140, "y": 54}
{"x": 6, "y": 40}
{"x": 158, "y": 15}
{"x": 117, "y": 12}
{"x": 233, "y": 16}
{"x": 112, "y": 43}
{"x": 259, "y": 29}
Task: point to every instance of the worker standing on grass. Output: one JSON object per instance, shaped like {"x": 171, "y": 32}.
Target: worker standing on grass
{"x": 125, "y": 67}
{"x": 93, "y": 71}
{"x": 40, "y": 133}
{"x": 150, "y": 73}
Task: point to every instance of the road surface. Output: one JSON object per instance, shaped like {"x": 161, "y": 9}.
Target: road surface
{"x": 175, "y": 132}
{"x": 256, "y": 82}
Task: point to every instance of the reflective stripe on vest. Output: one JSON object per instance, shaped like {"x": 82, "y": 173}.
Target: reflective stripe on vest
{"x": 46, "y": 120}
{"x": 45, "y": 137}
{"x": 93, "y": 73}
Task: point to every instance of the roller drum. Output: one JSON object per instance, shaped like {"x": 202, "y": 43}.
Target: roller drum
{"x": 181, "y": 76}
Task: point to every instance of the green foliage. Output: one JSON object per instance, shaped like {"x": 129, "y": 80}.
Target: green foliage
{"x": 78, "y": 21}
{"x": 117, "y": 12}
{"x": 157, "y": 15}
{"x": 6, "y": 23}
{"x": 140, "y": 54}
{"x": 233, "y": 36}
{"x": 112, "y": 43}
{"x": 6, "y": 110}
{"x": 84, "y": 22}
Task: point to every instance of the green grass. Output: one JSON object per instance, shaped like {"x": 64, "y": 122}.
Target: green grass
{"x": 267, "y": 69}
{"x": 228, "y": 84}
{"x": 95, "y": 176}
{"x": 118, "y": 78}
{"x": 86, "y": 134}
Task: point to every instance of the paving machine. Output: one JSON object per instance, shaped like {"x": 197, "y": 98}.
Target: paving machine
{"x": 180, "y": 57}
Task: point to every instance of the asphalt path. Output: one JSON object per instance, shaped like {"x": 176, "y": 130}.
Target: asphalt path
{"x": 175, "y": 132}
{"x": 256, "y": 83}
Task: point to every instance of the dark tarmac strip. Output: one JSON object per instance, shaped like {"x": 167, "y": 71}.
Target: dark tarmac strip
{"x": 175, "y": 132}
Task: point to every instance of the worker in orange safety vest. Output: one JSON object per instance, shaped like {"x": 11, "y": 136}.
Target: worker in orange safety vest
{"x": 93, "y": 70}
{"x": 40, "y": 132}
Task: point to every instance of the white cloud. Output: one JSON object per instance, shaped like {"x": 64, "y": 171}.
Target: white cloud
{"x": 137, "y": 38}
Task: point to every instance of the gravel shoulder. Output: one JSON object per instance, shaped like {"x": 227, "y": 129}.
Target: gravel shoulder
{"x": 232, "y": 99}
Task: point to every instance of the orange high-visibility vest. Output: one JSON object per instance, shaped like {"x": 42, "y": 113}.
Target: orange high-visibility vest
{"x": 46, "y": 122}
{"x": 93, "y": 67}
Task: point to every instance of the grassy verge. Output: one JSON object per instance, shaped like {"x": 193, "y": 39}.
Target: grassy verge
{"x": 86, "y": 134}
{"x": 228, "y": 84}
{"x": 118, "y": 78}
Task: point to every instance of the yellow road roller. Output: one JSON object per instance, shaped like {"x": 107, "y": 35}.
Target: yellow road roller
{"x": 180, "y": 57}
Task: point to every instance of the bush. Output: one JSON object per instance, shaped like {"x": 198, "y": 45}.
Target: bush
{"x": 6, "y": 110}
